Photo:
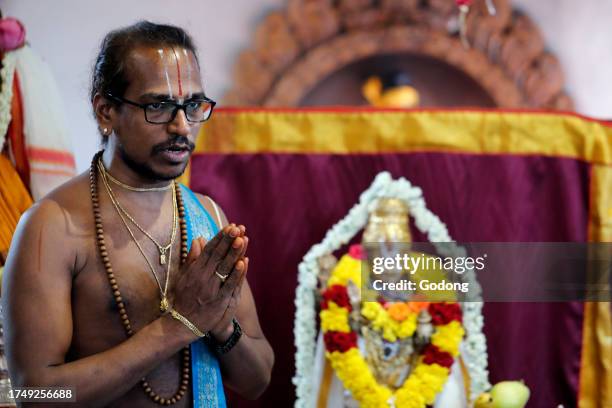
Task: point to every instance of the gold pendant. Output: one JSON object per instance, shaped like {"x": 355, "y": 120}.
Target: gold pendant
{"x": 164, "y": 306}
{"x": 162, "y": 258}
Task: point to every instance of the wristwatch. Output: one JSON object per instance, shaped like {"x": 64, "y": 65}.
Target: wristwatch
{"x": 229, "y": 344}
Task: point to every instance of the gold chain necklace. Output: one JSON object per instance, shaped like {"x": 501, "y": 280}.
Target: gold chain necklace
{"x": 161, "y": 248}
{"x": 164, "y": 304}
{"x": 139, "y": 189}
{"x": 114, "y": 284}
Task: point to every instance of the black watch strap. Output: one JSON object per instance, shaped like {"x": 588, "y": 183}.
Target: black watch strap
{"x": 230, "y": 342}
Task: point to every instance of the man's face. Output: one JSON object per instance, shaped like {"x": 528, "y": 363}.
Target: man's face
{"x": 158, "y": 151}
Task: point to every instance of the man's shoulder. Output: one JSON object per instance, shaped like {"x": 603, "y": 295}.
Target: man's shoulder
{"x": 76, "y": 187}
{"x": 69, "y": 200}
{"x": 53, "y": 223}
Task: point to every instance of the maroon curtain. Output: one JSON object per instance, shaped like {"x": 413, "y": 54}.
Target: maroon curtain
{"x": 288, "y": 201}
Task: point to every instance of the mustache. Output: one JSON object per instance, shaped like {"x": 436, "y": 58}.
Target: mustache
{"x": 177, "y": 141}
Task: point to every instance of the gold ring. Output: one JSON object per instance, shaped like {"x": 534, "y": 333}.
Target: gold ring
{"x": 222, "y": 277}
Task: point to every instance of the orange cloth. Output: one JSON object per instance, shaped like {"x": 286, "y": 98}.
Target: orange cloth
{"x": 14, "y": 200}
{"x": 14, "y": 195}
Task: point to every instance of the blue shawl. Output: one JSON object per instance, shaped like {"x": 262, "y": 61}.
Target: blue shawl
{"x": 206, "y": 374}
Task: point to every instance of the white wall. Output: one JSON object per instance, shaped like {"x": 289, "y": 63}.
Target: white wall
{"x": 67, "y": 33}
{"x": 580, "y": 34}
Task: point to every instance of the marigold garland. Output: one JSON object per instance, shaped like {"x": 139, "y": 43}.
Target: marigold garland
{"x": 474, "y": 347}
{"x": 395, "y": 320}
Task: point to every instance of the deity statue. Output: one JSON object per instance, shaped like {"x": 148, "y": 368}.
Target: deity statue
{"x": 388, "y": 227}
{"x": 393, "y": 336}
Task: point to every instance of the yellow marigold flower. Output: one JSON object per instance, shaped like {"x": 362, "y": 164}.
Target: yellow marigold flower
{"x": 448, "y": 337}
{"x": 370, "y": 310}
{"x": 335, "y": 318}
{"x": 408, "y": 397}
{"x": 382, "y": 321}
{"x": 398, "y": 311}
{"x": 348, "y": 268}
{"x": 434, "y": 370}
{"x": 376, "y": 398}
{"x": 389, "y": 334}
{"x": 407, "y": 327}
{"x": 355, "y": 374}
{"x": 423, "y": 386}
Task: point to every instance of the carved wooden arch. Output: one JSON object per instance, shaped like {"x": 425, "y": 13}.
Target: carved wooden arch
{"x": 297, "y": 48}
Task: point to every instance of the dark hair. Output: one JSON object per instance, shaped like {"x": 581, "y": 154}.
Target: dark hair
{"x": 109, "y": 74}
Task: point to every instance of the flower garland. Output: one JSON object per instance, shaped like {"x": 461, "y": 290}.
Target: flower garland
{"x": 474, "y": 347}
{"x": 6, "y": 95}
{"x": 394, "y": 320}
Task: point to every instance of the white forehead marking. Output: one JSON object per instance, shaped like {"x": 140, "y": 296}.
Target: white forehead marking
{"x": 165, "y": 65}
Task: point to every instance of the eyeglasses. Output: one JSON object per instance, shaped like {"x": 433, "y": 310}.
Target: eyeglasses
{"x": 198, "y": 110}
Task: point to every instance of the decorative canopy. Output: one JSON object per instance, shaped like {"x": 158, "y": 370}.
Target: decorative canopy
{"x": 315, "y": 45}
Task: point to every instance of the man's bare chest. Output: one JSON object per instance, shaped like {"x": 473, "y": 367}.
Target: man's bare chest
{"x": 94, "y": 294}
{"x": 97, "y": 322}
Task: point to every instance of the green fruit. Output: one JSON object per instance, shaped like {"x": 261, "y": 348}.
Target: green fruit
{"x": 510, "y": 394}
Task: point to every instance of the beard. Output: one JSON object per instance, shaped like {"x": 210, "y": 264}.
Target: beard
{"x": 144, "y": 168}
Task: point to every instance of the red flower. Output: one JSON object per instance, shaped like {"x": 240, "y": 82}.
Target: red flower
{"x": 444, "y": 313}
{"x": 433, "y": 355}
{"x": 463, "y": 2}
{"x": 337, "y": 341}
{"x": 356, "y": 251}
{"x": 337, "y": 294}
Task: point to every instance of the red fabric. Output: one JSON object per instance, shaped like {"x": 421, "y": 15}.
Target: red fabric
{"x": 41, "y": 154}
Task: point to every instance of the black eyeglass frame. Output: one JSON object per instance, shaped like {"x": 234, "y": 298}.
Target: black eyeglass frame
{"x": 177, "y": 106}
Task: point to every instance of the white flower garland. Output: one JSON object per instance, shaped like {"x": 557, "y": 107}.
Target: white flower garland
{"x": 304, "y": 330}
{"x": 6, "y": 96}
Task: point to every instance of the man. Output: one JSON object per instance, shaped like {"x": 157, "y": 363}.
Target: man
{"x": 96, "y": 295}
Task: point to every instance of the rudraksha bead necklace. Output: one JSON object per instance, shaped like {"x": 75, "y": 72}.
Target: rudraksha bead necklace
{"x": 112, "y": 280}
